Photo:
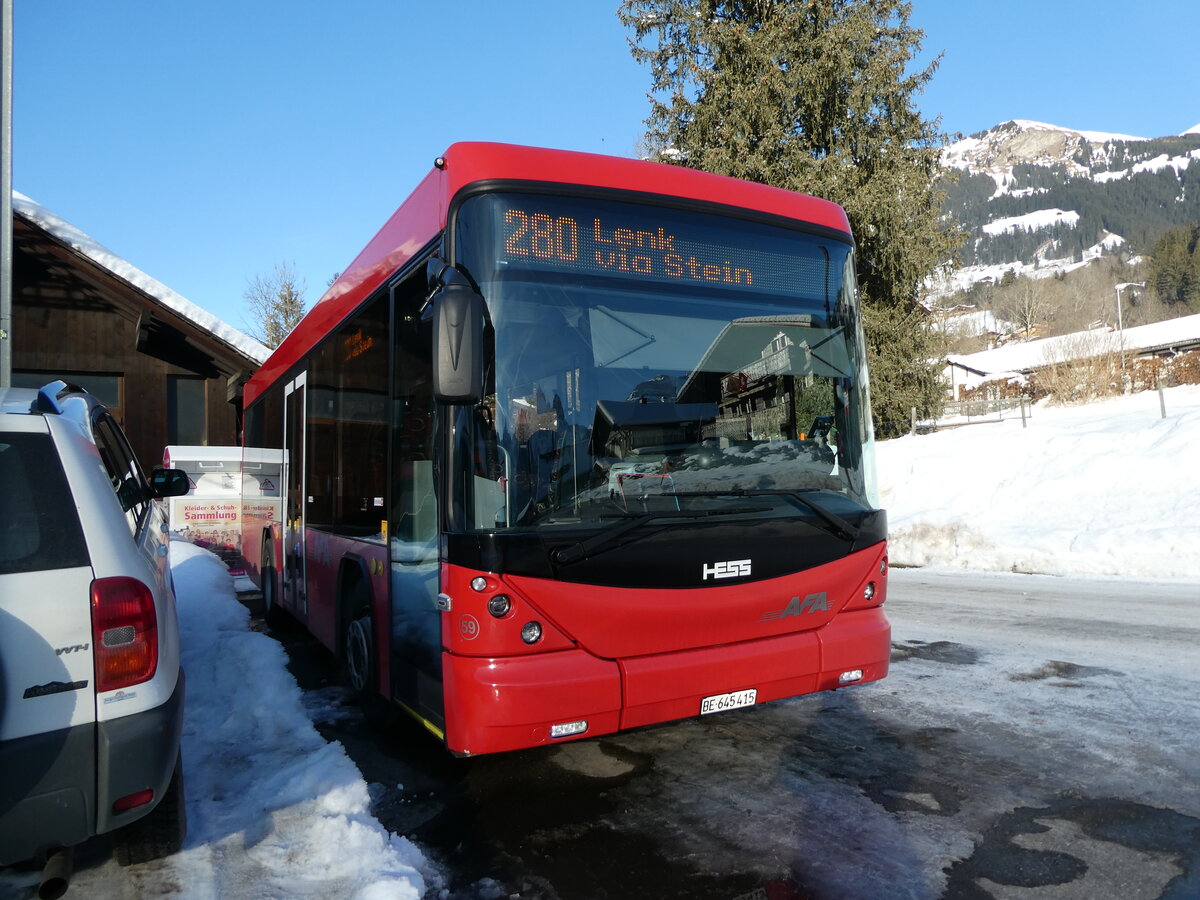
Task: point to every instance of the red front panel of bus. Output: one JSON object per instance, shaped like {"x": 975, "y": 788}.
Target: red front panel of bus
{"x": 632, "y": 664}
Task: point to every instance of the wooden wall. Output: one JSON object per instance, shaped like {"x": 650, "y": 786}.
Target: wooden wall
{"x": 70, "y": 315}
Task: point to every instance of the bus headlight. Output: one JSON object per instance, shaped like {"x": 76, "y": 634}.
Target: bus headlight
{"x": 531, "y": 632}
{"x": 499, "y": 606}
{"x": 869, "y": 590}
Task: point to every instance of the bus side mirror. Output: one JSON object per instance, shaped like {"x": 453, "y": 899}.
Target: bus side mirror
{"x": 458, "y": 324}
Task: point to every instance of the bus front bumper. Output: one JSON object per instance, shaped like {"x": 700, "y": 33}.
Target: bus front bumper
{"x": 508, "y": 703}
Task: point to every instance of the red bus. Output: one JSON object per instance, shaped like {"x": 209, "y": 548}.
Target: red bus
{"x": 578, "y": 444}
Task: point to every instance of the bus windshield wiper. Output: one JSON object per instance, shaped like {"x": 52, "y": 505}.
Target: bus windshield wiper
{"x": 587, "y": 547}
{"x": 836, "y": 525}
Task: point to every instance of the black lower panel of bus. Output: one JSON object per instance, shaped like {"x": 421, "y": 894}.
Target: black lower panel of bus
{"x": 667, "y": 553}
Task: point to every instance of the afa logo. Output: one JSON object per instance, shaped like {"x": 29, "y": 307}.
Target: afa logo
{"x": 809, "y": 605}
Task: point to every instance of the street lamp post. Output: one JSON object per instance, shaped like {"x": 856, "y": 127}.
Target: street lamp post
{"x": 1120, "y": 324}
{"x": 1125, "y": 284}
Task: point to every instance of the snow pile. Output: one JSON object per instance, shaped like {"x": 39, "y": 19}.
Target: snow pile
{"x": 1105, "y": 489}
{"x": 273, "y": 809}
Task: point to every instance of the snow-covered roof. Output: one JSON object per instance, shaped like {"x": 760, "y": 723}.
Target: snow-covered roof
{"x": 126, "y": 271}
{"x": 1022, "y": 357}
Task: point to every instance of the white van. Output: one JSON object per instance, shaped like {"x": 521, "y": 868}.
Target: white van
{"x": 91, "y": 691}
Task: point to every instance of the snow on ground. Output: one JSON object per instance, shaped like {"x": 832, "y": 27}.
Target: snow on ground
{"x": 1108, "y": 488}
{"x": 1160, "y": 162}
{"x": 1043, "y": 266}
{"x": 974, "y": 323}
{"x": 1042, "y": 218}
{"x": 273, "y": 809}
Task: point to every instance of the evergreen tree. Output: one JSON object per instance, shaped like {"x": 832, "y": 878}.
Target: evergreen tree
{"x": 1175, "y": 267}
{"x": 814, "y": 96}
{"x": 902, "y": 378}
{"x": 275, "y": 303}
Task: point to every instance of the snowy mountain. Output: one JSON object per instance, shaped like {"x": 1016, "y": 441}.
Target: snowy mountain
{"x": 1039, "y": 199}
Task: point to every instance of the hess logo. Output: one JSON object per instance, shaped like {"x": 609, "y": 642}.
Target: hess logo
{"x": 734, "y": 568}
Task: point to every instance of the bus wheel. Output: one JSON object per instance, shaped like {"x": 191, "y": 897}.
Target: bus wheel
{"x": 359, "y": 654}
{"x": 273, "y": 613}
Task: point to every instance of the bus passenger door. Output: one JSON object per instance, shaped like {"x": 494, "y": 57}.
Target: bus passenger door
{"x": 294, "y": 431}
{"x": 416, "y": 632}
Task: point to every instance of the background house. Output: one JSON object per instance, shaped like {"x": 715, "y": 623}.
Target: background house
{"x": 172, "y": 373}
{"x": 1169, "y": 338}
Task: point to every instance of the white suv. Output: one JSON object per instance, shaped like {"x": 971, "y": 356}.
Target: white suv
{"x": 91, "y": 693}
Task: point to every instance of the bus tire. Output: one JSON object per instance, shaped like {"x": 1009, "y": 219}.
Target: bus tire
{"x": 273, "y": 614}
{"x": 358, "y": 642}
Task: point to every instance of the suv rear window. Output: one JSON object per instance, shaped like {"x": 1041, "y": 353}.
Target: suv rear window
{"x": 39, "y": 528}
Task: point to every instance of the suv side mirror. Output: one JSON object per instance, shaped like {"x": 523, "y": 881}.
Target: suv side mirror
{"x": 168, "y": 483}
{"x": 458, "y": 326}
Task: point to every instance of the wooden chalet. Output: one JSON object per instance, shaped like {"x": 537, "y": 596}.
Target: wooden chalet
{"x": 172, "y": 373}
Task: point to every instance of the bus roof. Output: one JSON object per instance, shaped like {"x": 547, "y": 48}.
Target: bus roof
{"x": 423, "y": 215}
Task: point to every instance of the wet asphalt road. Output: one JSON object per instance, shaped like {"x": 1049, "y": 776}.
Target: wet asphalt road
{"x": 1033, "y": 740}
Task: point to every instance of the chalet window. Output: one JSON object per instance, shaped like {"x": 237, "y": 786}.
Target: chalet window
{"x": 185, "y": 410}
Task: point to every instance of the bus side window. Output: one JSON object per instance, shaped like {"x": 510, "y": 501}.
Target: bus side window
{"x": 414, "y": 513}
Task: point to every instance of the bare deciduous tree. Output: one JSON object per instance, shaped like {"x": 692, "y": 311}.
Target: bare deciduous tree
{"x": 275, "y": 302}
{"x": 1026, "y": 305}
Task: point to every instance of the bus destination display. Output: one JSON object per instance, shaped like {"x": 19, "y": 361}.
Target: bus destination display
{"x": 595, "y": 242}
{"x": 631, "y": 241}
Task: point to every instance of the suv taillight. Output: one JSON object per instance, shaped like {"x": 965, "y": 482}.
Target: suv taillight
{"x": 124, "y": 633}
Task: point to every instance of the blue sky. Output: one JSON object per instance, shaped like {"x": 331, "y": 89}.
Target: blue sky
{"x": 207, "y": 141}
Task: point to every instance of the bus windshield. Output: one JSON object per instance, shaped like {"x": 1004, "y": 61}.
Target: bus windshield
{"x": 656, "y": 361}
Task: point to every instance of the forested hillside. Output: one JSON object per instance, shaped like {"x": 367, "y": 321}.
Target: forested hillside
{"x": 1081, "y": 193}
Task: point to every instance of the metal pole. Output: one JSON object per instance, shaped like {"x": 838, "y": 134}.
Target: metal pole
{"x": 6, "y": 214}
{"x": 1162, "y": 401}
{"x": 1120, "y": 324}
